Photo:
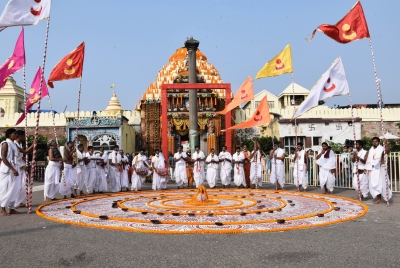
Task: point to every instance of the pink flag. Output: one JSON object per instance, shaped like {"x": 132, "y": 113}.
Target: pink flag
{"x": 15, "y": 62}
{"x": 34, "y": 93}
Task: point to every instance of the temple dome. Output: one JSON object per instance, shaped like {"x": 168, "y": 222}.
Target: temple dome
{"x": 176, "y": 68}
{"x": 114, "y": 106}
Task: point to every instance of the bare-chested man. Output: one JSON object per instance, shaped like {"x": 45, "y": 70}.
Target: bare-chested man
{"x": 68, "y": 181}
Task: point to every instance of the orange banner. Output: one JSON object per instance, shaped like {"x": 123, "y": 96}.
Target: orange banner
{"x": 244, "y": 94}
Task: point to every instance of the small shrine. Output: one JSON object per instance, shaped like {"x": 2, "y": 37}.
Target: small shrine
{"x": 209, "y": 102}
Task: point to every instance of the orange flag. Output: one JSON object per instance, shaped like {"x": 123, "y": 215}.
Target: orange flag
{"x": 260, "y": 117}
{"x": 69, "y": 67}
{"x": 352, "y": 27}
{"x": 244, "y": 94}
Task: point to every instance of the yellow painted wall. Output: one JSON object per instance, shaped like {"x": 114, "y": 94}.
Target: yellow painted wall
{"x": 128, "y": 138}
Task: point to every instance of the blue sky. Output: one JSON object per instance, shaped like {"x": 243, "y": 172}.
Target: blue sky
{"x": 127, "y": 43}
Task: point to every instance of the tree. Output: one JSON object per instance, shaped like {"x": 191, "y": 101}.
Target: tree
{"x": 41, "y": 153}
{"x": 266, "y": 143}
{"x": 336, "y": 146}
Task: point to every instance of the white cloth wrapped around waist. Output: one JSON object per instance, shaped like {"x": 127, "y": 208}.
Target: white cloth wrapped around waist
{"x": 52, "y": 166}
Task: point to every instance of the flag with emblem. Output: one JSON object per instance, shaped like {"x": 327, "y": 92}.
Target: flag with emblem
{"x": 244, "y": 94}
{"x": 24, "y": 12}
{"x": 70, "y": 67}
{"x": 280, "y": 64}
{"x": 15, "y": 62}
{"x": 34, "y": 93}
{"x": 260, "y": 117}
{"x": 352, "y": 27}
{"x": 332, "y": 83}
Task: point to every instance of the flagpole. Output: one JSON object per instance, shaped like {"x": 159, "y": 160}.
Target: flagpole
{"x": 378, "y": 90}
{"x": 27, "y": 183}
{"x": 295, "y": 133}
{"x": 33, "y": 165}
{"x": 355, "y": 143}
{"x": 53, "y": 116}
{"x": 77, "y": 116}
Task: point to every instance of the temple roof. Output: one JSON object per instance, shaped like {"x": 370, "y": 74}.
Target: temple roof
{"x": 298, "y": 90}
{"x": 176, "y": 70}
{"x": 114, "y": 106}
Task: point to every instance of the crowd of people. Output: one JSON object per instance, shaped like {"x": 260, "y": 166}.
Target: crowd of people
{"x": 115, "y": 171}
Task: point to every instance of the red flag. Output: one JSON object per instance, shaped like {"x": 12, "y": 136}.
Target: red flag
{"x": 244, "y": 94}
{"x": 34, "y": 93}
{"x": 69, "y": 67}
{"x": 15, "y": 62}
{"x": 352, "y": 27}
{"x": 260, "y": 117}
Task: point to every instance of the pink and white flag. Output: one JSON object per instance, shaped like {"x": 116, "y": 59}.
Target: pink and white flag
{"x": 34, "y": 93}
{"x": 15, "y": 62}
{"x": 332, "y": 83}
{"x": 24, "y": 12}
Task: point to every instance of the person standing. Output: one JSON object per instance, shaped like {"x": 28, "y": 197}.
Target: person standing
{"x": 326, "y": 160}
{"x": 300, "y": 167}
{"x": 246, "y": 165}
{"x": 360, "y": 157}
{"x": 141, "y": 170}
{"x": 91, "y": 172}
{"x": 344, "y": 169}
{"x": 189, "y": 168}
{"x": 379, "y": 180}
{"x": 159, "y": 175}
{"x": 291, "y": 162}
{"x": 238, "y": 171}
{"x": 53, "y": 171}
{"x": 277, "y": 156}
{"x": 212, "y": 168}
{"x": 124, "y": 171}
{"x": 114, "y": 160}
{"x": 101, "y": 171}
{"x": 198, "y": 158}
{"x": 256, "y": 166}
{"x": 180, "y": 168}
{"x": 8, "y": 173}
{"x": 69, "y": 172}
{"x": 225, "y": 159}
{"x": 80, "y": 170}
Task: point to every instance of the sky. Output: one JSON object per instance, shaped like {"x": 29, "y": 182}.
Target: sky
{"x": 127, "y": 43}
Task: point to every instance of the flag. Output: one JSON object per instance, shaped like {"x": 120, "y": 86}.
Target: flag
{"x": 34, "y": 93}
{"x": 260, "y": 117}
{"x": 112, "y": 86}
{"x": 24, "y": 12}
{"x": 280, "y": 64}
{"x": 352, "y": 27}
{"x": 15, "y": 62}
{"x": 69, "y": 67}
{"x": 245, "y": 93}
{"x": 332, "y": 83}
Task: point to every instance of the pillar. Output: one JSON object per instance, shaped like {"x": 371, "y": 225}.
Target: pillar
{"x": 192, "y": 45}
{"x": 164, "y": 122}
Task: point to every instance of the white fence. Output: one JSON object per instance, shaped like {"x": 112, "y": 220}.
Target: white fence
{"x": 344, "y": 176}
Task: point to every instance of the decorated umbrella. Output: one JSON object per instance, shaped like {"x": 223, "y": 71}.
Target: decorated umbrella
{"x": 389, "y": 136}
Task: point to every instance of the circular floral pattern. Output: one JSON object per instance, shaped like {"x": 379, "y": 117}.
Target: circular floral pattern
{"x": 227, "y": 211}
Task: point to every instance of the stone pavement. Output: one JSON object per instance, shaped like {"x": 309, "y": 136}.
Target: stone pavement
{"x": 373, "y": 240}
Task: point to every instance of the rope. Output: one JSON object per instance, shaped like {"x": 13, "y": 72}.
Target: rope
{"x": 354, "y": 136}
{"x": 27, "y": 182}
{"x": 77, "y": 116}
{"x": 378, "y": 90}
{"x": 33, "y": 165}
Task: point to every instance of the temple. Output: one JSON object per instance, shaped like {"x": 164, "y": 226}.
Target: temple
{"x": 209, "y": 102}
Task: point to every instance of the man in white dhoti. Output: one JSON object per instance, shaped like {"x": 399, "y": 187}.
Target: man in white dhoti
{"x": 101, "y": 171}
{"x": 53, "y": 171}
{"x": 69, "y": 172}
{"x": 141, "y": 170}
{"x": 256, "y": 166}
{"x": 359, "y": 158}
{"x": 225, "y": 159}
{"x": 300, "y": 167}
{"x": 277, "y": 156}
{"x": 80, "y": 170}
{"x": 326, "y": 160}
{"x": 379, "y": 185}
{"x": 180, "y": 175}
{"x": 124, "y": 171}
{"x": 91, "y": 171}
{"x": 114, "y": 160}
{"x": 21, "y": 164}
{"x": 212, "y": 168}
{"x": 8, "y": 173}
{"x": 159, "y": 171}
{"x": 198, "y": 158}
{"x": 238, "y": 171}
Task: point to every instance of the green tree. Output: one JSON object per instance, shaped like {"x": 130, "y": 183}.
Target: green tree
{"x": 266, "y": 143}
{"x": 336, "y": 146}
{"x": 41, "y": 153}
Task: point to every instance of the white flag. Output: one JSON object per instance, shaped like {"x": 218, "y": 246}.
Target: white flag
{"x": 332, "y": 83}
{"x": 24, "y": 12}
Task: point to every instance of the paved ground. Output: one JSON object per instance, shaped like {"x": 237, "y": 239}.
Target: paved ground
{"x": 374, "y": 240}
